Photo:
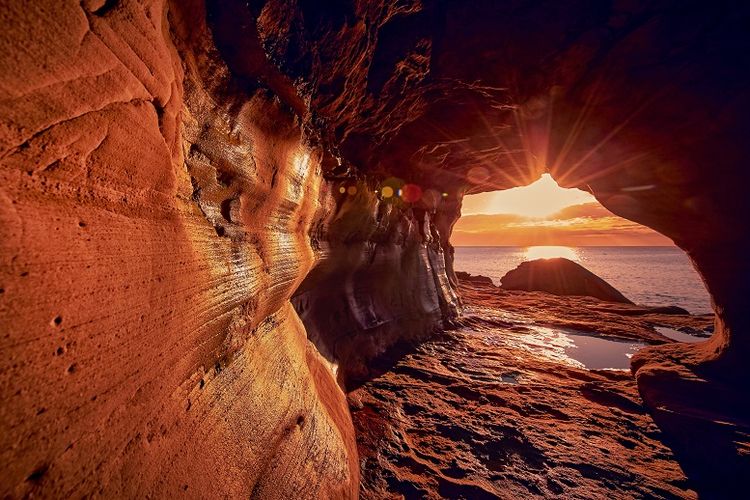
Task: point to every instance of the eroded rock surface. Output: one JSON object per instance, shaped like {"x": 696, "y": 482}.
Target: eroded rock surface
{"x": 175, "y": 175}
{"x": 493, "y": 409}
{"x": 155, "y": 221}
{"x": 462, "y": 419}
{"x": 381, "y": 279}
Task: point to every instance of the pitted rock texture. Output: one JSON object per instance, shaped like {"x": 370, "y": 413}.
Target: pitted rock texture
{"x": 460, "y": 419}
{"x": 155, "y": 221}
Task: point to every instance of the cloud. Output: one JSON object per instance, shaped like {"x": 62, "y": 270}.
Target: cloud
{"x": 593, "y": 210}
{"x": 577, "y": 225}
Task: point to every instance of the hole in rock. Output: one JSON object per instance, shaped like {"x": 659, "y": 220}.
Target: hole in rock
{"x": 501, "y": 230}
{"x": 105, "y": 7}
{"x": 37, "y": 474}
{"x": 226, "y": 209}
{"x": 498, "y": 230}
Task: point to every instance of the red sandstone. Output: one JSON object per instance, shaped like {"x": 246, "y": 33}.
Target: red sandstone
{"x": 186, "y": 291}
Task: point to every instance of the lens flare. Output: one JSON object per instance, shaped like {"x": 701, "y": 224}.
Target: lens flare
{"x": 411, "y": 193}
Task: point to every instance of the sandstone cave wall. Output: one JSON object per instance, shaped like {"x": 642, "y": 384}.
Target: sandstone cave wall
{"x": 170, "y": 208}
{"x": 163, "y": 197}
{"x": 381, "y": 279}
{"x": 155, "y": 220}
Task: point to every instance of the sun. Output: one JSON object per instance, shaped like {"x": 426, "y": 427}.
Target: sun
{"x": 551, "y": 252}
{"x": 538, "y": 200}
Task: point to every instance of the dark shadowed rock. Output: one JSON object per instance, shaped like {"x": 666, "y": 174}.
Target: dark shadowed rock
{"x": 560, "y": 277}
{"x": 670, "y": 310}
{"x": 473, "y": 279}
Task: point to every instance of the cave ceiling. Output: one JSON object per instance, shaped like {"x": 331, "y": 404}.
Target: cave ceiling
{"x": 486, "y": 95}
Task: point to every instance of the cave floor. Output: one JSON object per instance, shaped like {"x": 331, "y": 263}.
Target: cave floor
{"x": 495, "y": 408}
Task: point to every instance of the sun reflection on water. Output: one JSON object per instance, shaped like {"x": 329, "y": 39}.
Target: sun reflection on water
{"x": 551, "y": 252}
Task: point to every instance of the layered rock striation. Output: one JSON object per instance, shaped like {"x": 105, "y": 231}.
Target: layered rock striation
{"x": 381, "y": 279}
{"x": 156, "y": 217}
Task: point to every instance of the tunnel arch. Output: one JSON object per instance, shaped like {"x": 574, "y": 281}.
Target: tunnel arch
{"x": 606, "y": 98}
{"x": 543, "y": 220}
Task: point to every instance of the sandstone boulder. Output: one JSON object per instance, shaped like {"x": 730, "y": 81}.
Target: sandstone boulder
{"x": 560, "y": 277}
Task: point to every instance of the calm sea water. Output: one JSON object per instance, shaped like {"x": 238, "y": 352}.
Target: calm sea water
{"x": 654, "y": 276}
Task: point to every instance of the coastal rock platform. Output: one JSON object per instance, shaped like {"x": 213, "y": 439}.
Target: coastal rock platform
{"x": 494, "y": 408}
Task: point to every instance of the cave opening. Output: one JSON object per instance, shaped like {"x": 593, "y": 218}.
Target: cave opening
{"x": 498, "y": 230}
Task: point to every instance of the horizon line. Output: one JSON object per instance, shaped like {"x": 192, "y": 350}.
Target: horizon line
{"x": 569, "y": 246}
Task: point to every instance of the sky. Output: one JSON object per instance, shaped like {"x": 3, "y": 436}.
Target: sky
{"x": 545, "y": 214}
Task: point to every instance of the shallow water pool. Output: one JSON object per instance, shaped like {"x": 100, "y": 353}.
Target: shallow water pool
{"x": 565, "y": 346}
{"x": 596, "y": 353}
{"x": 678, "y": 335}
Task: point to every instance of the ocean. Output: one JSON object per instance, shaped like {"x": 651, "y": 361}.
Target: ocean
{"x": 652, "y": 276}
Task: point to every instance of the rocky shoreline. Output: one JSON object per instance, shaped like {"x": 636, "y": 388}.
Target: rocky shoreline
{"x": 485, "y": 410}
{"x": 605, "y": 318}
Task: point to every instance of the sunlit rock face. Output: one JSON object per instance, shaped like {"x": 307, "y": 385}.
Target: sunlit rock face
{"x": 155, "y": 221}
